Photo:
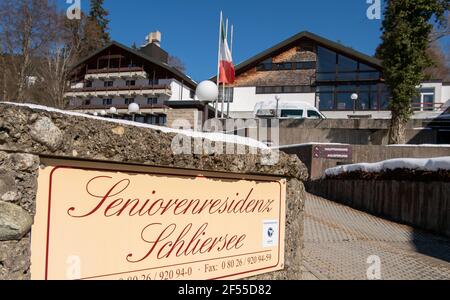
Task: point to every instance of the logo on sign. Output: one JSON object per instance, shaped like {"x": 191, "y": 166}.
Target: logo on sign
{"x": 270, "y": 234}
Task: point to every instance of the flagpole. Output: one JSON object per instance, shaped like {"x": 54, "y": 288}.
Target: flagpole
{"x": 232, "y": 36}
{"x": 216, "y": 103}
{"x": 224, "y": 85}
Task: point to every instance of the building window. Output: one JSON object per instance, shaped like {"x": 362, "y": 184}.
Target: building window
{"x": 368, "y": 73}
{"x": 191, "y": 94}
{"x": 326, "y": 60}
{"x": 108, "y": 83}
{"x": 332, "y": 66}
{"x": 425, "y": 101}
{"x": 286, "y": 66}
{"x": 130, "y": 83}
{"x": 128, "y": 101}
{"x": 162, "y": 120}
{"x": 291, "y": 89}
{"x": 107, "y": 101}
{"x": 344, "y": 101}
{"x": 153, "y": 82}
{"x": 229, "y": 94}
{"x": 152, "y": 101}
{"x": 88, "y": 84}
{"x": 338, "y": 97}
{"x": 139, "y": 119}
{"x": 156, "y": 119}
{"x": 87, "y": 102}
{"x": 306, "y": 65}
{"x": 264, "y": 67}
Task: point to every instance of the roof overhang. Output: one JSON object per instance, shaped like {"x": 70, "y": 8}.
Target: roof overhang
{"x": 288, "y": 43}
{"x": 186, "y": 79}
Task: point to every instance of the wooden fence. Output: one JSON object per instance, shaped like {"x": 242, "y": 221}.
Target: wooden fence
{"x": 424, "y": 205}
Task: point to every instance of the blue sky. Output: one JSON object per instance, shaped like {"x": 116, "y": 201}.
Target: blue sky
{"x": 190, "y": 27}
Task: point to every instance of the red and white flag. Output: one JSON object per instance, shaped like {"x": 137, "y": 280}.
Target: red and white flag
{"x": 227, "y": 73}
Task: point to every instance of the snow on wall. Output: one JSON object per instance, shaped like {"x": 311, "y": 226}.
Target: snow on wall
{"x": 213, "y": 136}
{"x": 432, "y": 165}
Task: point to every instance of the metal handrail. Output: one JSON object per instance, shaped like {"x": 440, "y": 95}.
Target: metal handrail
{"x": 115, "y": 70}
{"x": 125, "y": 88}
{"x": 428, "y": 106}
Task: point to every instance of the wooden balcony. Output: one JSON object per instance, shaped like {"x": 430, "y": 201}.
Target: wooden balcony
{"x": 126, "y": 91}
{"x": 114, "y": 73}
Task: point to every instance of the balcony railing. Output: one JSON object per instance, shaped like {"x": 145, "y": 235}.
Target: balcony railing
{"x": 427, "y": 106}
{"x": 131, "y": 91}
{"x": 120, "y": 107}
{"x": 114, "y": 70}
{"x": 122, "y": 88}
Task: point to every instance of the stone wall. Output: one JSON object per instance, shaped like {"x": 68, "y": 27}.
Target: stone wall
{"x": 194, "y": 116}
{"x": 27, "y": 134}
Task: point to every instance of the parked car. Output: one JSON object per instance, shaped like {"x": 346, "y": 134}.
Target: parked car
{"x": 287, "y": 110}
{"x": 445, "y": 115}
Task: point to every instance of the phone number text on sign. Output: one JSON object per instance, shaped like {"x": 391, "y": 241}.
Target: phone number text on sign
{"x": 186, "y": 273}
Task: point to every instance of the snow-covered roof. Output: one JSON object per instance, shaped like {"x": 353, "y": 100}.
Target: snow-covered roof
{"x": 213, "y": 136}
{"x": 426, "y": 164}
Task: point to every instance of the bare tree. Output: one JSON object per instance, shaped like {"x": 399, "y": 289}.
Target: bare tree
{"x": 26, "y": 28}
{"x": 176, "y": 63}
{"x": 442, "y": 30}
{"x": 441, "y": 68}
{"x": 57, "y": 61}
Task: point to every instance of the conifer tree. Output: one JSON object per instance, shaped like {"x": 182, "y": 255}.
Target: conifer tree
{"x": 407, "y": 27}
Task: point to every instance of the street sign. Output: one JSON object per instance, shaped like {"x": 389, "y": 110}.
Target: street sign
{"x": 332, "y": 152}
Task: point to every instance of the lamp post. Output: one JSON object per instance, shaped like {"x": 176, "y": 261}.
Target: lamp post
{"x": 133, "y": 109}
{"x": 207, "y": 91}
{"x": 277, "y": 98}
{"x": 354, "y": 98}
{"x": 113, "y": 111}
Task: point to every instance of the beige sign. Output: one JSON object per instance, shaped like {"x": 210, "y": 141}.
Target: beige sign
{"x": 113, "y": 221}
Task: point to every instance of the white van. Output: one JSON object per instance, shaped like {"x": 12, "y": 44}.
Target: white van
{"x": 287, "y": 110}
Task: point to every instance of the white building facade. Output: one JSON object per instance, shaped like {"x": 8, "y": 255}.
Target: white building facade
{"x": 324, "y": 74}
{"x": 116, "y": 76}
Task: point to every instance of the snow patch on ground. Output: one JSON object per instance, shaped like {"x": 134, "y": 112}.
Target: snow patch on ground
{"x": 431, "y": 165}
{"x": 213, "y": 136}
{"x": 308, "y": 144}
{"x": 422, "y": 145}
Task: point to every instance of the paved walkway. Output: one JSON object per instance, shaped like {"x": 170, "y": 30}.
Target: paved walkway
{"x": 339, "y": 240}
